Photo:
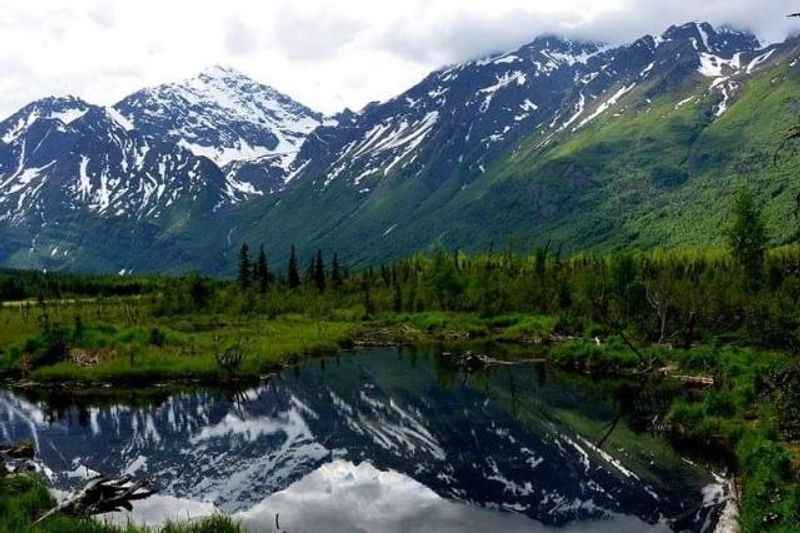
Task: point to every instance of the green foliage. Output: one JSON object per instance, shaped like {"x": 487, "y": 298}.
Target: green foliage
{"x": 771, "y": 495}
{"x": 293, "y": 270}
{"x": 748, "y": 239}
{"x": 157, "y": 338}
{"x": 536, "y": 328}
{"x": 262, "y": 272}
{"x": 245, "y": 268}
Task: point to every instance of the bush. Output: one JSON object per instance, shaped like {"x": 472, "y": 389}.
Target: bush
{"x": 157, "y": 337}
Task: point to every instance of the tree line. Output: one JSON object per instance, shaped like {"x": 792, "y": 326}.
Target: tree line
{"x": 742, "y": 290}
{"x": 257, "y": 274}
{"x": 671, "y": 296}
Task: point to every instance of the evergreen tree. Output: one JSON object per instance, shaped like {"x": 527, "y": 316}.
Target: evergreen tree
{"x": 387, "y": 280}
{"x": 397, "y": 300}
{"x": 308, "y": 275}
{"x": 369, "y": 306}
{"x": 293, "y": 275}
{"x": 747, "y": 237}
{"x": 319, "y": 272}
{"x": 336, "y": 274}
{"x": 262, "y": 271}
{"x": 540, "y": 262}
{"x": 245, "y": 268}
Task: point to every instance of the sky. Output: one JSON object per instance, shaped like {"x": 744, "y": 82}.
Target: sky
{"x": 327, "y": 54}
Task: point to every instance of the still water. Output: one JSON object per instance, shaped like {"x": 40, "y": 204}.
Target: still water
{"x": 381, "y": 440}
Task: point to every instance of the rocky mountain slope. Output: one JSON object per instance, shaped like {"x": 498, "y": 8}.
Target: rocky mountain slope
{"x": 229, "y": 118}
{"x": 590, "y": 145}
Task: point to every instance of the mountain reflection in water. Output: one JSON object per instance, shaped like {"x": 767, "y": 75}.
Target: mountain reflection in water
{"x": 382, "y": 440}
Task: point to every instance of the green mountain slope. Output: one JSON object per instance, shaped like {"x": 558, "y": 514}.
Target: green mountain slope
{"x": 659, "y": 168}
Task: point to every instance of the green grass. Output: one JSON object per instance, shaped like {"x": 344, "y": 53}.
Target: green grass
{"x": 529, "y": 328}
{"x": 736, "y": 420}
{"x": 24, "y": 498}
{"x": 175, "y": 348}
{"x": 441, "y": 324}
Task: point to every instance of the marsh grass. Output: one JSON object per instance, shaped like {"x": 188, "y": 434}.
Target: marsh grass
{"x": 171, "y": 348}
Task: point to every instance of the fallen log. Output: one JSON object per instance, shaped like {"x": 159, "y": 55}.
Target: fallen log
{"x": 23, "y": 450}
{"x": 16, "y": 457}
{"x": 473, "y": 361}
{"x": 102, "y": 495}
{"x": 694, "y": 380}
{"x": 689, "y": 380}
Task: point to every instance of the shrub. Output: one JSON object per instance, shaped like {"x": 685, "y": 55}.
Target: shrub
{"x": 157, "y": 337}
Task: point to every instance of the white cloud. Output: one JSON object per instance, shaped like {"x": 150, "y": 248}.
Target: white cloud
{"x": 325, "y": 53}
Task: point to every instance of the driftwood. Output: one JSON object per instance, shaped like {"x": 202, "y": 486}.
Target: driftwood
{"x": 102, "y": 495}
{"x": 473, "y": 361}
{"x": 688, "y": 380}
{"x": 16, "y": 457}
{"x": 23, "y": 450}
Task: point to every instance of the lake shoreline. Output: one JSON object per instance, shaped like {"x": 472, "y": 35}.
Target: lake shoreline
{"x": 714, "y": 428}
{"x": 430, "y": 358}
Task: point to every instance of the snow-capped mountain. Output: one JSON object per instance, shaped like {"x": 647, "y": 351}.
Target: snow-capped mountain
{"x": 229, "y": 118}
{"x": 459, "y": 119}
{"x": 62, "y": 155}
{"x": 471, "y": 153}
{"x": 555, "y": 139}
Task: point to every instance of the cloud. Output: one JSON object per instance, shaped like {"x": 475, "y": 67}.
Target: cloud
{"x": 463, "y": 36}
{"x": 313, "y": 34}
{"x": 326, "y": 53}
{"x": 103, "y": 15}
{"x": 639, "y": 17}
{"x": 240, "y": 39}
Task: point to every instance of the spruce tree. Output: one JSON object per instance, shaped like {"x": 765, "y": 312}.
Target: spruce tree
{"x": 369, "y": 306}
{"x": 747, "y": 237}
{"x": 336, "y": 274}
{"x": 397, "y": 300}
{"x": 262, "y": 271}
{"x": 319, "y": 272}
{"x": 308, "y": 275}
{"x": 245, "y": 268}
{"x": 293, "y": 275}
{"x": 387, "y": 280}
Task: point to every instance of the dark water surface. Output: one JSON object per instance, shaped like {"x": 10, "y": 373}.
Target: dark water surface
{"x": 380, "y": 440}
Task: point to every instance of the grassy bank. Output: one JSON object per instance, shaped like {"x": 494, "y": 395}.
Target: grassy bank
{"x": 747, "y": 419}
{"x": 24, "y": 497}
{"x": 153, "y": 349}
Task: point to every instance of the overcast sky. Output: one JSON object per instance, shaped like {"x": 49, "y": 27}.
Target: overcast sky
{"x": 327, "y": 54}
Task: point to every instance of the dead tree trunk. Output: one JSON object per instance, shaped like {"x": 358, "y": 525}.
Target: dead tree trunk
{"x": 102, "y": 495}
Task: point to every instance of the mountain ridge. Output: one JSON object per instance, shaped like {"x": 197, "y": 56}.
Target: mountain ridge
{"x": 471, "y": 154}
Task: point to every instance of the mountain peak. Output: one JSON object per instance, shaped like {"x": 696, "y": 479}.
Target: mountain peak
{"x": 706, "y": 37}
{"x": 66, "y": 109}
{"x": 226, "y": 116}
{"x": 220, "y": 71}
{"x": 224, "y": 73}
